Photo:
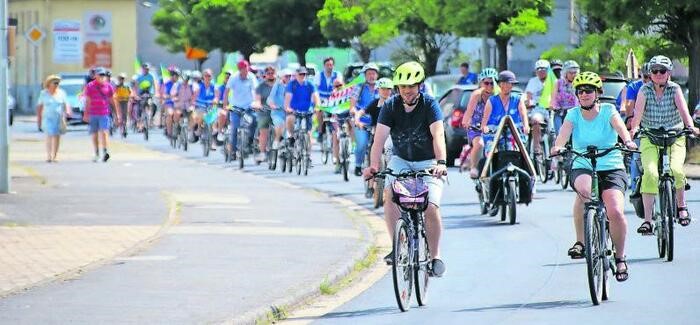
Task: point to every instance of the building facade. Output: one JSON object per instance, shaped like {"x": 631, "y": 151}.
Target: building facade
{"x": 68, "y": 36}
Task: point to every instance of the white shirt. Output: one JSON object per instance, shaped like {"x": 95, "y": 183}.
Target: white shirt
{"x": 534, "y": 87}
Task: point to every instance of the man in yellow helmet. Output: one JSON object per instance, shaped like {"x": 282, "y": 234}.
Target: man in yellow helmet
{"x": 414, "y": 122}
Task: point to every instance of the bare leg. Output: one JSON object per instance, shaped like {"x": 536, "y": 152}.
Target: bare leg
{"x": 54, "y": 150}
{"x": 433, "y": 227}
{"x": 614, "y": 205}
{"x": 263, "y": 139}
{"x": 477, "y": 147}
{"x": 582, "y": 184}
{"x": 648, "y": 200}
{"x": 391, "y": 213}
{"x": 680, "y": 200}
{"x": 49, "y": 148}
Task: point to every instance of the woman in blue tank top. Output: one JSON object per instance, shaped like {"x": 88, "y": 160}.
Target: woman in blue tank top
{"x": 505, "y": 103}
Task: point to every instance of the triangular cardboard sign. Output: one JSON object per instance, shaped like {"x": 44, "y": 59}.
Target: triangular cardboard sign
{"x": 507, "y": 121}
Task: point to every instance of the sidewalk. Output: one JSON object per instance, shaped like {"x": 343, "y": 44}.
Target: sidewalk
{"x": 692, "y": 171}
{"x": 177, "y": 241}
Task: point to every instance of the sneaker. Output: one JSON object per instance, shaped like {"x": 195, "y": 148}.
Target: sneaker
{"x": 473, "y": 173}
{"x": 220, "y": 137}
{"x": 337, "y": 168}
{"x": 389, "y": 258}
{"x": 358, "y": 171}
{"x": 96, "y": 158}
{"x": 438, "y": 268}
{"x": 260, "y": 157}
{"x": 105, "y": 157}
{"x": 275, "y": 145}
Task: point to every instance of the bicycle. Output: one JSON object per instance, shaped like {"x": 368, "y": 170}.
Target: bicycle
{"x": 243, "y": 142}
{"x": 369, "y": 188}
{"x": 665, "y": 210}
{"x": 599, "y": 250}
{"x": 206, "y": 136}
{"x": 541, "y": 159}
{"x": 326, "y": 139}
{"x": 343, "y": 130}
{"x": 180, "y": 132}
{"x": 563, "y": 167}
{"x": 144, "y": 113}
{"x": 301, "y": 143}
{"x": 411, "y": 253}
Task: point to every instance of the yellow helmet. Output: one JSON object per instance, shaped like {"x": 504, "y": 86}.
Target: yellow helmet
{"x": 409, "y": 73}
{"x": 588, "y": 78}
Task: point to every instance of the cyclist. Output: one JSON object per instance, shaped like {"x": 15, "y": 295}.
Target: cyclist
{"x": 262, "y": 92}
{"x": 537, "y": 114}
{"x": 364, "y": 94}
{"x": 147, "y": 78}
{"x": 299, "y": 95}
{"x": 166, "y": 100}
{"x": 563, "y": 95}
{"x": 660, "y": 103}
{"x": 498, "y": 106}
{"x": 183, "y": 99}
{"x": 386, "y": 88}
{"x": 240, "y": 93}
{"x": 596, "y": 124}
{"x": 631, "y": 92}
{"x": 557, "y": 65}
{"x": 324, "y": 82}
{"x": 475, "y": 110}
{"x": 204, "y": 98}
{"x": 223, "y": 112}
{"x": 276, "y": 102}
{"x": 414, "y": 122}
{"x": 123, "y": 93}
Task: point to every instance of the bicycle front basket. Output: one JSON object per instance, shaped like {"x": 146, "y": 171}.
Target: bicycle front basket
{"x": 411, "y": 193}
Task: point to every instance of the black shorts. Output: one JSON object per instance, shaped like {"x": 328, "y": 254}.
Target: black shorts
{"x": 615, "y": 179}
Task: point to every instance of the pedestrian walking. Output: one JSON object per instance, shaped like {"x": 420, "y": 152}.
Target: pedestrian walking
{"x": 53, "y": 107}
{"x": 99, "y": 95}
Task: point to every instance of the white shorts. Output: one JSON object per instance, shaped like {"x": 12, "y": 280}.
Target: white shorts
{"x": 435, "y": 185}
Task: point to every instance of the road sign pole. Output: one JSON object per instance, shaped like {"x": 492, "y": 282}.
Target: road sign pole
{"x": 4, "y": 132}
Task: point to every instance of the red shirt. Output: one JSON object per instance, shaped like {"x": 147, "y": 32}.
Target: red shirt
{"x": 100, "y": 95}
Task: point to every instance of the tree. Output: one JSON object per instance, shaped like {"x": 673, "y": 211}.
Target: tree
{"x": 291, "y": 24}
{"x": 675, "y": 20}
{"x": 171, "y": 21}
{"x": 426, "y": 43}
{"x": 501, "y": 20}
{"x": 348, "y": 22}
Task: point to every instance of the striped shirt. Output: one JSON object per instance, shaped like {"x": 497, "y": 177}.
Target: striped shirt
{"x": 661, "y": 112}
{"x": 100, "y": 94}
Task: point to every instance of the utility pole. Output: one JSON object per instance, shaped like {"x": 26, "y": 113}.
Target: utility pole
{"x": 4, "y": 114}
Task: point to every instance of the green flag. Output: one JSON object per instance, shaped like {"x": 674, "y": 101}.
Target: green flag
{"x": 339, "y": 101}
{"x": 164, "y": 73}
{"x": 137, "y": 66}
{"x": 549, "y": 85}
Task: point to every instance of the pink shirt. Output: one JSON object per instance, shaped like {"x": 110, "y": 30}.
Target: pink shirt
{"x": 100, "y": 96}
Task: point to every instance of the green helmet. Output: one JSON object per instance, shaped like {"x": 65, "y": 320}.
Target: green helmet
{"x": 144, "y": 85}
{"x": 409, "y": 73}
{"x": 385, "y": 83}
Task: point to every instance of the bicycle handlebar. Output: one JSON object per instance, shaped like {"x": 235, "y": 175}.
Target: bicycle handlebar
{"x": 594, "y": 152}
{"x": 412, "y": 173}
{"x": 662, "y": 133}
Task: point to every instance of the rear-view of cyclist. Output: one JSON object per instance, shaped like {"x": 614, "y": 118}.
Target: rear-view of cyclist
{"x": 596, "y": 124}
{"x": 475, "y": 111}
{"x": 414, "y": 122}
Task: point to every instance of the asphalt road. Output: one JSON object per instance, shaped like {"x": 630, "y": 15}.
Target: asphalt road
{"x": 519, "y": 274}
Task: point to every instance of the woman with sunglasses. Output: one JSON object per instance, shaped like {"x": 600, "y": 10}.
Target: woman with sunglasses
{"x": 660, "y": 103}
{"x": 505, "y": 103}
{"x": 595, "y": 124}
{"x": 475, "y": 110}
{"x": 54, "y": 108}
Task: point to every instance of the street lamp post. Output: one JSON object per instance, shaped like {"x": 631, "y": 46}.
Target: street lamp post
{"x": 4, "y": 132}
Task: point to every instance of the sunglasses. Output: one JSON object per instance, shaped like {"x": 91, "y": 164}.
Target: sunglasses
{"x": 55, "y": 83}
{"x": 488, "y": 83}
{"x": 659, "y": 71}
{"x": 302, "y": 74}
{"x": 585, "y": 90}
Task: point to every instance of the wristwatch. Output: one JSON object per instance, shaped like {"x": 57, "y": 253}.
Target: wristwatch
{"x": 441, "y": 162}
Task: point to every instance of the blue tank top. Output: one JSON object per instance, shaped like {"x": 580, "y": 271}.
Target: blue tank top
{"x": 206, "y": 95}
{"x": 325, "y": 87}
{"x": 222, "y": 89}
{"x": 366, "y": 96}
{"x": 498, "y": 111}
{"x": 168, "y": 87}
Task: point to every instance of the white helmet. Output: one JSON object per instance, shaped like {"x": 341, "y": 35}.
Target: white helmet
{"x": 541, "y": 64}
{"x": 570, "y": 65}
{"x": 662, "y": 61}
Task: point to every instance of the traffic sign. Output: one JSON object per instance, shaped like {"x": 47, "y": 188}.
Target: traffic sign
{"x": 35, "y": 35}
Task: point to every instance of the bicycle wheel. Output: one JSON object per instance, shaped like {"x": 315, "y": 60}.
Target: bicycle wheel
{"x": 273, "y": 159}
{"x": 185, "y": 138}
{"x": 594, "y": 255}
{"x": 325, "y": 148}
{"x": 668, "y": 211}
{"x": 421, "y": 259}
{"x": 306, "y": 157}
{"x": 344, "y": 154}
{"x": 564, "y": 177}
{"x": 542, "y": 167}
{"x": 146, "y": 122}
{"x": 205, "y": 139}
{"x": 401, "y": 268}
{"x": 242, "y": 141}
{"x": 502, "y": 208}
{"x": 511, "y": 202}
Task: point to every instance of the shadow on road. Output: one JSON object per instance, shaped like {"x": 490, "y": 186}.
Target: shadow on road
{"x": 536, "y": 305}
{"x": 469, "y": 221}
{"x": 359, "y": 313}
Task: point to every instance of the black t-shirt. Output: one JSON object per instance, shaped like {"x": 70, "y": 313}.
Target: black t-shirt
{"x": 373, "y": 110}
{"x": 410, "y": 132}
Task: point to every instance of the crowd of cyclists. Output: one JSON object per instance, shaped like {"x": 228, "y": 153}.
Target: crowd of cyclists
{"x": 272, "y": 104}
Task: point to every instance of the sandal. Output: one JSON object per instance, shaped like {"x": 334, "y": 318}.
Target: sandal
{"x": 576, "y": 251}
{"x": 646, "y": 229}
{"x": 621, "y": 276}
{"x": 683, "y": 220}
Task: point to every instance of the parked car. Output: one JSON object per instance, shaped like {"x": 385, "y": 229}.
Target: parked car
{"x": 437, "y": 85}
{"x": 453, "y": 105}
{"x": 612, "y": 86}
{"x": 73, "y": 86}
{"x": 353, "y": 70}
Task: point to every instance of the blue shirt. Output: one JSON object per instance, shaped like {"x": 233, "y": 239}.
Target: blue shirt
{"x": 365, "y": 95}
{"x": 598, "y": 132}
{"x": 470, "y": 79}
{"x": 498, "y": 111}
{"x": 222, "y": 90}
{"x": 168, "y": 87}
{"x": 205, "y": 96}
{"x": 147, "y": 77}
{"x": 277, "y": 95}
{"x": 301, "y": 95}
{"x": 633, "y": 89}
{"x": 325, "y": 85}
